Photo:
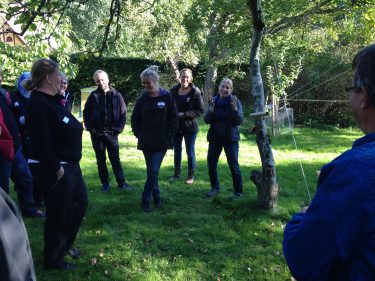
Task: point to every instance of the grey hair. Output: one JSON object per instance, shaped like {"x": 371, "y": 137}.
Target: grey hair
{"x": 226, "y": 80}
{"x": 99, "y": 71}
{"x": 151, "y": 72}
{"x": 364, "y": 70}
{"x": 64, "y": 76}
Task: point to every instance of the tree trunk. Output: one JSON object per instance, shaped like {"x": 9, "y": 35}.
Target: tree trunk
{"x": 174, "y": 66}
{"x": 264, "y": 180}
{"x": 209, "y": 83}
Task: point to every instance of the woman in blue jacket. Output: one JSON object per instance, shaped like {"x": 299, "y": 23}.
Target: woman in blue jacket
{"x": 224, "y": 115}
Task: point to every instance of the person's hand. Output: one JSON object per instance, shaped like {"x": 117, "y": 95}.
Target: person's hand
{"x": 233, "y": 103}
{"x": 211, "y": 102}
{"x": 181, "y": 115}
{"x": 60, "y": 173}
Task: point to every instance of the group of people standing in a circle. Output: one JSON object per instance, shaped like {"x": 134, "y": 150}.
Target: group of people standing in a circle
{"x": 160, "y": 120}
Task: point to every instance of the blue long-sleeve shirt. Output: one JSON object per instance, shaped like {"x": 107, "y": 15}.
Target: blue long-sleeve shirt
{"x": 335, "y": 238}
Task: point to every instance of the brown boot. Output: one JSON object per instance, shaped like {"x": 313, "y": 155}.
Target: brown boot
{"x": 190, "y": 177}
{"x": 176, "y": 175}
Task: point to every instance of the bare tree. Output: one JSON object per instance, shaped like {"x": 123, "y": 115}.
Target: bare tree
{"x": 265, "y": 180}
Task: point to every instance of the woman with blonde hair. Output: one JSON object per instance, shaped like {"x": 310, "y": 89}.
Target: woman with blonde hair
{"x": 154, "y": 122}
{"x": 55, "y": 152}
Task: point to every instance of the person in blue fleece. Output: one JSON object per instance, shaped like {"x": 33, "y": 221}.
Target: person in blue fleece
{"x": 334, "y": 237}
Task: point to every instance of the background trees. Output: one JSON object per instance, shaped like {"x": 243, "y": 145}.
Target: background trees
{"x": 303, "y": 39}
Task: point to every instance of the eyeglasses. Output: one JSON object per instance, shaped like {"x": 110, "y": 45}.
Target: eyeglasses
{"x": 349, "y": 90}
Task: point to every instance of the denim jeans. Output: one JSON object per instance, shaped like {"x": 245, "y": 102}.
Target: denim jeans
{"x": 190, "y": 149}
{"x": 19, "y": 172}
{"x": 108, "y": 142}
{"x": 153, "y": 163}
{"x": 231, "y": 151}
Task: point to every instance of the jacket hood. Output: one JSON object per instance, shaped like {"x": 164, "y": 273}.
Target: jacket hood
{"x": 24, "y": 76}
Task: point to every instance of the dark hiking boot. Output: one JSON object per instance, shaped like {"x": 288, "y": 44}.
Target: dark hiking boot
{"x": 176, "y": 175}
{"x": 158, "y": 202}
{"x": 105, "y": 187}
{"x": 126, "y": 186}
{"x": 146, "y": 206}
{"x": 190, "y": 176}
{"x": 213, "y": 192}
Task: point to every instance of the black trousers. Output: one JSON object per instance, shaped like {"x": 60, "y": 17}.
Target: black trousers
{"x": 66, "y": 203}
{"x": 108, "y": 142}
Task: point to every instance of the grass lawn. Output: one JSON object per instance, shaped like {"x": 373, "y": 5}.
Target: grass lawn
{"x": 193, "y": 237}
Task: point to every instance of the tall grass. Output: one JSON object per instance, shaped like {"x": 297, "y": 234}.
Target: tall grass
{"x": 193, "y": 237}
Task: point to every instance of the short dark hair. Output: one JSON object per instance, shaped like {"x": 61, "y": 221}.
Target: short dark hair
{"x": 364, "y": 70}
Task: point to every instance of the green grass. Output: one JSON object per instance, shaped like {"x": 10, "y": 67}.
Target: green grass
{"x": 193, "y": 237}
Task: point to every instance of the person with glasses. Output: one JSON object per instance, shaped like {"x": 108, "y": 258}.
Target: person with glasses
{"x": 334, "y": 237}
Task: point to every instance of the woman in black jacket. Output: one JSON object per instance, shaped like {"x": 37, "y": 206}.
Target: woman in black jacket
{"x": 55, "y": 152}
{"x": 189, "y": 103}
{"x": 154, "y": 122}
{"x": 224, "y": 115}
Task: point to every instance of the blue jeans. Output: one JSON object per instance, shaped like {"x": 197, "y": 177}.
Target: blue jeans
{"x": 231, "y": 151}
{"x": 153, "y": 163}
{"x": 19, "y": 172}
{"x": 190, "y": 149}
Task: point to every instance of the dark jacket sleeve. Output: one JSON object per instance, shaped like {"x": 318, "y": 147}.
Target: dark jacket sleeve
{"x": 88, "y": 111}
{"x": 122, "y": 114}
{"x": 172, "y": 118}
{"x": 237, "y": 115}
{"x": 136, "y": 118}
{"x": 209, "y": 116}
{"x": 40, "y": 134}
{"x": 197, "y": 107}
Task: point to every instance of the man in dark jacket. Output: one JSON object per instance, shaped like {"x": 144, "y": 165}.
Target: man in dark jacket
{"x": 104, "y": 116}
{"x": 334, "y": 238}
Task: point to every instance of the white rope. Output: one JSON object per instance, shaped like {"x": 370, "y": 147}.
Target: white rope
{"x": 334, "y": 77}
{"x": 294, "y": 139}
{"x": 303, "y": 86}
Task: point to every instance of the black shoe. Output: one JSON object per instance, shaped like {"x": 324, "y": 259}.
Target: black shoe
{"x": 176, "y": 175}
{"x": 62, "y": 266}
{"x": 213, "y": 192}
{"x": 236, "y": 196}
{"x": 125, "y": 186}
{"x": 73, "y": 253}
{"x": 146, "y": 206}
{"x": 158, "y": 202}
{"x": 105, "y": 187}
{"x": 35, "y": 214}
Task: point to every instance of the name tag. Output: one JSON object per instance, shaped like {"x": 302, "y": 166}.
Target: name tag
{"x": 66, "y": 120}
{"x": 161, "y": 104}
